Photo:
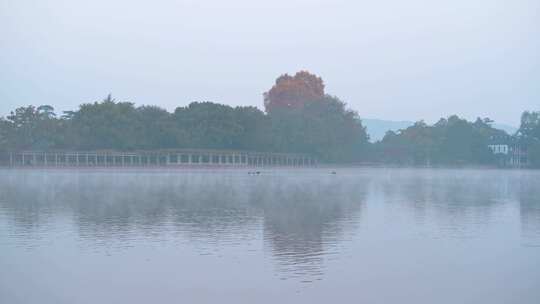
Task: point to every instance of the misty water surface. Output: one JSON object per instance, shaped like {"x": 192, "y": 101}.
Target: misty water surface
{"x": 302, "y": 236}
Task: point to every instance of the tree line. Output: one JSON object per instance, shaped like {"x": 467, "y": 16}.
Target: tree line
{"x": 456, "y": 141}
{"x": 299, "y": 117}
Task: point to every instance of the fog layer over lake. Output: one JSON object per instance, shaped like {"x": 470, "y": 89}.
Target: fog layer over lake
{"x": 284, "y": 236}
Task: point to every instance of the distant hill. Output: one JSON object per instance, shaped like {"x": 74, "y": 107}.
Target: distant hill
{"x": 377, "y": 128}
{"x": 508, "y": 129}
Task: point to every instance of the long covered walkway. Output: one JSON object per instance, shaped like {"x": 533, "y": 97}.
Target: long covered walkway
{"x": 182, "y": 157}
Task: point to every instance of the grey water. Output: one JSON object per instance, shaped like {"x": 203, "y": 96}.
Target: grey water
{"x": 283, "y": 236}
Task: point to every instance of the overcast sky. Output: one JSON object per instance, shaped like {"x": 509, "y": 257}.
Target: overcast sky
{"x": 388, "y": 59}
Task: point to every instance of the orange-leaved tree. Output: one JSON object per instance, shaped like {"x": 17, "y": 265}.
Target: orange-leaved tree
{"x": 293, "y": 92}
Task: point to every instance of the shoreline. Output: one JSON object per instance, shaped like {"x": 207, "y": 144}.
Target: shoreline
{"x": 184, "y": 168}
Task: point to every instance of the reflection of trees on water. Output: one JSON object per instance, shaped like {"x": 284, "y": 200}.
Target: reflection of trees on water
{"x": 445, "y": 188}
{"x": 529, "y": 209}
{"x": 302, "y": 218}
{"x": 112, "y": 205}
{"x": 455, "y": 199}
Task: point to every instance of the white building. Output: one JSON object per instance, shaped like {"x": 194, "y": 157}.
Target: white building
{"x": 509, "y": 152}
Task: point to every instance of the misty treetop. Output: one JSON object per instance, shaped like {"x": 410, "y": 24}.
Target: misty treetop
{"x": 299, "y": 117}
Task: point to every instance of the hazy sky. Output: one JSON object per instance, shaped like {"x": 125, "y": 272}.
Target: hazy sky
{"x": 390, "y": 59}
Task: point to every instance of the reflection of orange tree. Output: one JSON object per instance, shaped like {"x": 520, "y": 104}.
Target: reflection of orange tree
{"x": 304, "y": 219}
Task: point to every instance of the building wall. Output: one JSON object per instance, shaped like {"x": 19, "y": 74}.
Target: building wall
{"x": 512, "y": 155}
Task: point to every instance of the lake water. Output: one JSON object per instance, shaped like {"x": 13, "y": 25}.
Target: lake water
{"x": 284, "y": 236}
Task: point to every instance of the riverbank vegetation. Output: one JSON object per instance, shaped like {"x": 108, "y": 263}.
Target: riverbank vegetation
{"x": 299, "y": 117}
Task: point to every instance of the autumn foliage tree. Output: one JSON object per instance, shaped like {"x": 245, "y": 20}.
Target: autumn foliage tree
{"x": 304, "y": 119}
{"x": 293, "y": 92}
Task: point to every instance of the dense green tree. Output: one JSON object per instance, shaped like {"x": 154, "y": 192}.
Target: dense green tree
{"x": 5, "y": 132}
{"x": 323, "y": 127}
{"x": 208, "y": 125}
{"x": 462, "y": 142}
{"x": 451, "y": 141}
{"x": 31, "y": 128}
{"x": 529, "y": 136}
{"x": 254, "y": 125}
{"x": 155, "y": 128}
{"x": 414, "y": 146}
{"x": 530, "y": 125}
{"x": 105, "y": 125}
